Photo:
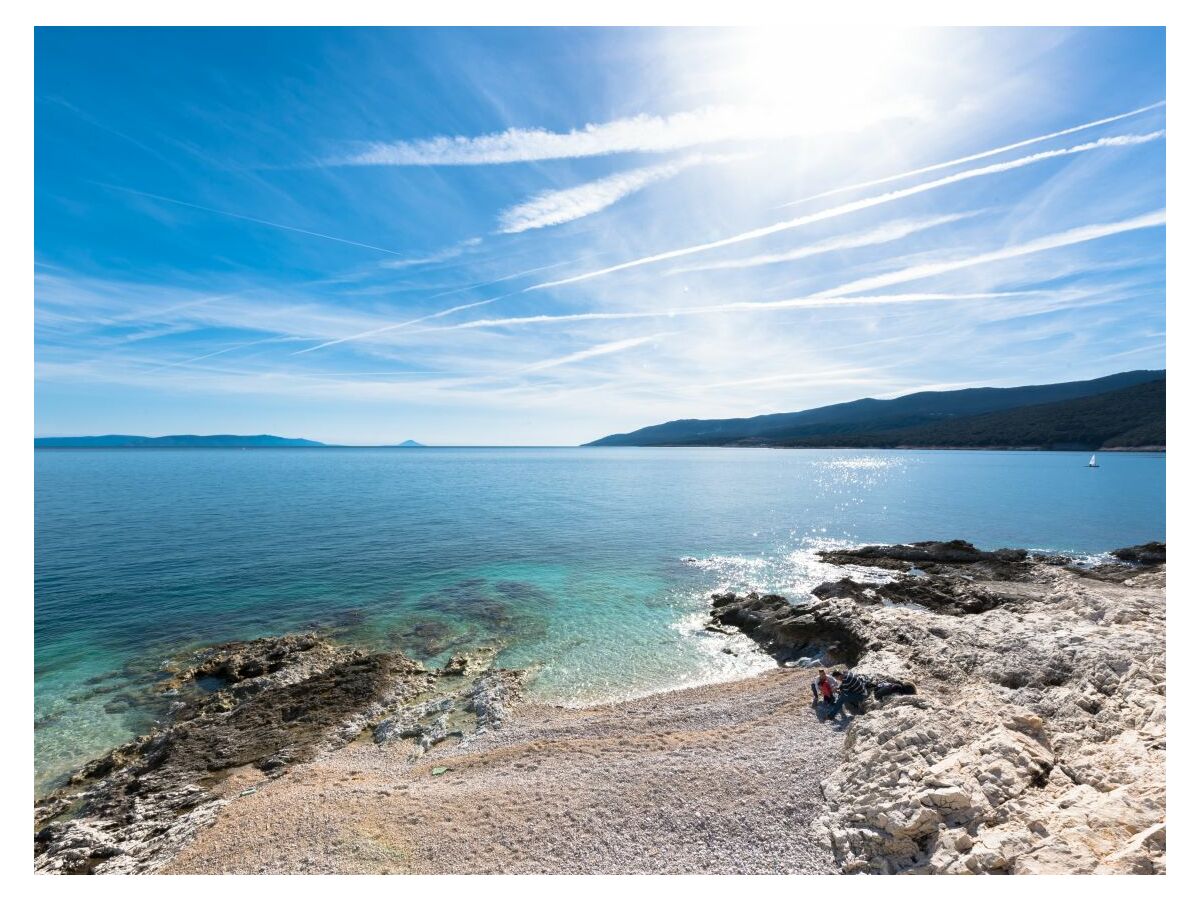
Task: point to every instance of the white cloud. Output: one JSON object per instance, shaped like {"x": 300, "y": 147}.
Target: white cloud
{"x": 1048, "y": 242}
{"x": 451, "y": 252}
{"x": 1125, "y": 140}
{"x": 556, "y": 207}
{"x": 642, "y": 134}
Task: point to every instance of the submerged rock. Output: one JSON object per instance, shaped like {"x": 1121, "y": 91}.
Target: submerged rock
{"x": 469, "y": 662}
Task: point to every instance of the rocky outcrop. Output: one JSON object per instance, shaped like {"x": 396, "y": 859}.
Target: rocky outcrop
{"x": 287, "y": 657}
{"x": 1036, "y": 740}
{"x": 243, "y": 711}
{"x": 427, "y": 723}
{"x": 791, "y": 633}
{"x": 918, "y": 553}
{"x": 1153, "y": 553}
{"x": 953, "y": 595}
{"x": 491, "y": 697}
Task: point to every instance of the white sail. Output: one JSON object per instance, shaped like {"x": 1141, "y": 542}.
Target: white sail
{"x": 1092, "y": 461}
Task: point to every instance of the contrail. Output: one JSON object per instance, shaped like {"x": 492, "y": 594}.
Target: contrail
{"x": 890, "y": 231}
{"x": 598, "y": 350}
{"x": 835, "y": 297}
{"x": 386, "y": 328}
{"x": 232, "y": 215}
{"x": 445, "y": 312}
{"x": 195, "y": 359}
{"x": 1125, "y": 140}
{"x": 974, "y": 156}
{"x": 479, "y": 284}
{"x": 742, "y": 306}
{"x": 1049, "y": 242}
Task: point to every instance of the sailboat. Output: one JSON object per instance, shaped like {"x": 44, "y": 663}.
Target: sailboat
{"x": 1092, "y": 464}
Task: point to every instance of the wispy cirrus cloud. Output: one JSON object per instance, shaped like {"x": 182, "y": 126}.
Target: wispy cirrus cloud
{"x": 1116, "y": 141}
{"x": 1124, "y": 140}
{"x": 447, "y": 253}
{"x": 636, "y": 134}
{"x": 558, "y": 206}
{"x": 890, "y": 231}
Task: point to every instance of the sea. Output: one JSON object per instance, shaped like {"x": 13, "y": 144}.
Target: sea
{"x": 591, "y": 567}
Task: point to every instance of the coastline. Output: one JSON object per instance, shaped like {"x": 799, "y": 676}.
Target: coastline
{"x": 1007, "y": 448}
{"x": 1004, "y": 447}
{"x": 1035, "y": 742}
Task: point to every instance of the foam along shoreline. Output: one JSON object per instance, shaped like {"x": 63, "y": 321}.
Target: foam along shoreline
{"x": 1035, "y": 742}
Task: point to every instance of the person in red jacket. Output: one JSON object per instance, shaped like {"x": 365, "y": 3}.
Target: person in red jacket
{"x": 824, "y": 687}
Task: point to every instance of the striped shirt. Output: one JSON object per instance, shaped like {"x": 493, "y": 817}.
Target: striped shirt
{"x": 854, "y": 685}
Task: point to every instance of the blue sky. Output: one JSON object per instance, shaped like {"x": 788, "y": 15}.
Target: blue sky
{"x": 541, "y": 236}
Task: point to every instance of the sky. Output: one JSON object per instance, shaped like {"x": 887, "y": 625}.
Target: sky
{"x": 543, "y": 236}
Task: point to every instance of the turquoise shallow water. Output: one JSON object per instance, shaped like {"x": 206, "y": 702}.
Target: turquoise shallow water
{"x": 592, "y": 565}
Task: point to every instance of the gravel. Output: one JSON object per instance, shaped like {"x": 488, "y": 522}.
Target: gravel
{"x": 724, "y": 778}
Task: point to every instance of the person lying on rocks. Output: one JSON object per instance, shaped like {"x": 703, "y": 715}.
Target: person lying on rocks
{"x": 887, "y": 688}
{"x": 852, "y": 689}
{"x": 823, "y": 688}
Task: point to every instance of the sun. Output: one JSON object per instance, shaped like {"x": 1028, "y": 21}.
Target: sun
{"x": 828, "y": 78}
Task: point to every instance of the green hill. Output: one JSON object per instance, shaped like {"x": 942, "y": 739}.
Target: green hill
{"x": 1126, "y": 409}
{"x": 1131, "y": 417}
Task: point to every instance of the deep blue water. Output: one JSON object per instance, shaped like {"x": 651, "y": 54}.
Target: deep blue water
{"x": 575, "y": 561}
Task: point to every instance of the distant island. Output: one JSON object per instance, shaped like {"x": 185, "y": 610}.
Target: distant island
{"x": 175, "y": 440}
{"x": 224, "y": 441}
{"x": 1125, "y": 411}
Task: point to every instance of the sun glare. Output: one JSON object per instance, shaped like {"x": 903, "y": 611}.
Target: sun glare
{"x": 818, "y": 80}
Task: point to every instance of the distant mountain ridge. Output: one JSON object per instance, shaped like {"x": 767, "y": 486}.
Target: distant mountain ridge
{"x": 175, "y": 440}
{"x": 1107, "y": 411}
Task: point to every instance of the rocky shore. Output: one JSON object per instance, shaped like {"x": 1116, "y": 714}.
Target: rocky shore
{"x": 1022, "y": 730}
{"x": 244, "y": 712}
{"x": 1036, "y": 738}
